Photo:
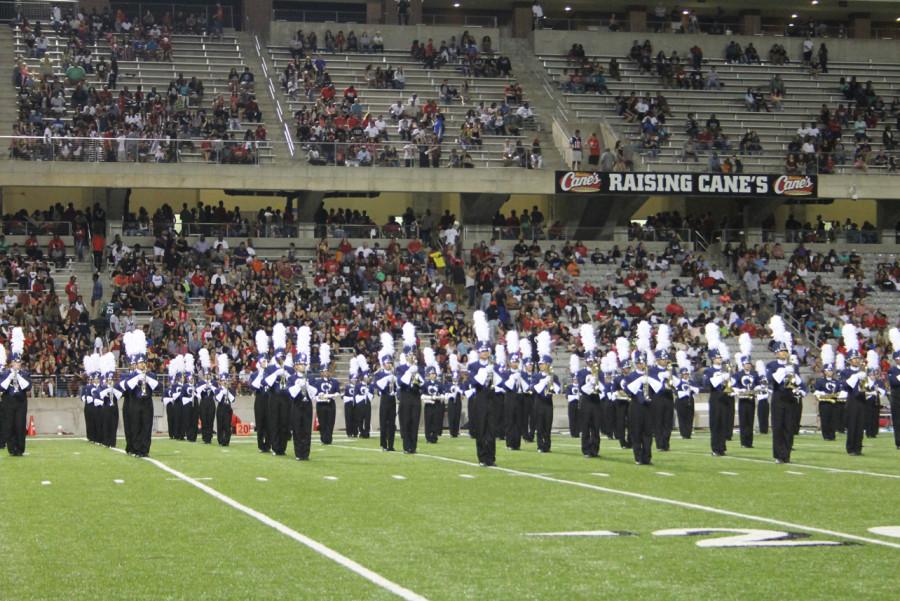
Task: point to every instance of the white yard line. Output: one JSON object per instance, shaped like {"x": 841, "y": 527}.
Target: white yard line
{"x": 663, "y": 500}
{"x": 316, "y": 546}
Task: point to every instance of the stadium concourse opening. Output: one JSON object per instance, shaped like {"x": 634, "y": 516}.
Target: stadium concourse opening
{"x": 248, "y": 302}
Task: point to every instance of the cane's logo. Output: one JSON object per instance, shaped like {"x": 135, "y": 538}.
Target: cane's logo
{"x": 580, "y": 181}
{"x": 794, "y": 185}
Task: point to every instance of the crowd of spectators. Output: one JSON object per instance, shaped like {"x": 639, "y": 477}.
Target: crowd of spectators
{"x": 86, "y": 115}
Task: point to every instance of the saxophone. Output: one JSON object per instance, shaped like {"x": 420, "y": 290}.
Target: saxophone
{"x": 15, "y": 380}
{"x": 143, "y": 384}
{"x": 646, "y": 386}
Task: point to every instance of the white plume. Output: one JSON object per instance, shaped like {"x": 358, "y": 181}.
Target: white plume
{"x": 354, "y": 367}
{"x": 776, "y": 326}
{"x": 362, "y": 363}
{"x": 525, "y": 349}
{"x": 894, "y": 335}
{"x": 89, "y": 366}
{"x": 108, "y": 363}
{"x": 174, "y": 368}
{"x": 512, "y": 342}
{"x": 222, "y": 364}
{"x": 17, "y": 346}
{"x": 543, "y": 344}
{"x": 409, "y": 334}
{"x": 279, "y": 337}
{"x": 140, "y": 342}
{"x": 324, "y": 354}
{"x": 872, "y": 360}
{"x": 500, "y": 354}
{"x": 745, "y": 343}
{"x": 850, "y": 336}
{"x": 840, "y": 362}
{"x": 480, "y": 324}
{"x": 472, "y": 356}
{"x": 205, "y": 362}
{"x": 454, "y": 362}
{"x": 827, "y": 354}
{"x": 428, "y": 356}
{"x": 663, "y": 337}
{"x": 573, "y": 364}
{"x": 623, "y": 349}
{"x": 724, "y": 351}
{"x": 262, "y": 342}
{"x": 98, "y": 344}
{"x": 612, "y": 361}
{"x": 2, "y": 355}
{"x": 642, "y": 343}
{"x": 681, "y": 357}
{"x": 711, "y": 333}
{"x": 189, "y": 363}
{"x": 760, "y": 368}
{"x": 304, "y": 338}
{"x": 387, "y": 345}
{"x": 588, "y": 337}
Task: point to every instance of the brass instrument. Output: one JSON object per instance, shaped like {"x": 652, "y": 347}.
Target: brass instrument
{"x": 729, "y": 389}
{"x": 143, "y": 384}
{"x": 15, "y": 380}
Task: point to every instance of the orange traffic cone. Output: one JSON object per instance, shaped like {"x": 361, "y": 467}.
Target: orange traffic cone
{"x": 315, "y": 423}
{"x": 31, "y": 431}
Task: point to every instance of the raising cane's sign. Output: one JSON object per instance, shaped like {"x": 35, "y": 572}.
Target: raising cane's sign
{"x": 695, "y": 184}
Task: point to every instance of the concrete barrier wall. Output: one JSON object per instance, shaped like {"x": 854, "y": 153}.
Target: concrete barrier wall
{"x": 396, "y": 37}
{"x": 619, "y": 44}
{"x": 68, "y": 413}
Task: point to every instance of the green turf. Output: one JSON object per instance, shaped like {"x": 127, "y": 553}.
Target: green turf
{"x": 435, "y": 532}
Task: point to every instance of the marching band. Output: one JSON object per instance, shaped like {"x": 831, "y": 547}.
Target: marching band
{"x": 633, "y": 396}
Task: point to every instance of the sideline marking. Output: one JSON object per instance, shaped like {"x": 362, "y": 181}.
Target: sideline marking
{"x": 664, "y": 500}
{"x": 261, "y": 479}
{"x": 601, "y": 474}
{"x": 45, "y": 483}
{"x": 795, "y": 473}
{"x": 467, "y": 476}
{"x": 119, "y": 481}
{"x": 729, "y": 473}
{"x": 316, "y": 546}
{"x": 330, "y": 477}
{"x": 664, "y": 474}
{"x": 836, "y": 470}
{"x": 398, "y": 477}
{"x": 582, "y": 533}
{"x": 892, "y": 531}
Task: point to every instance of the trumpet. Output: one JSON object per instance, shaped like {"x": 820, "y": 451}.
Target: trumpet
{"x": 729, "y": 389}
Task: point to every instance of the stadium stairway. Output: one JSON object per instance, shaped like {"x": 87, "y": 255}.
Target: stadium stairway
{"x": 8, "y": 111}
{"x": 264, "y": 99}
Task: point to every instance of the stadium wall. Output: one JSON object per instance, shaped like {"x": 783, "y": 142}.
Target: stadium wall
{"x": 396, "y": 37}
{"x": 51, "y": 414}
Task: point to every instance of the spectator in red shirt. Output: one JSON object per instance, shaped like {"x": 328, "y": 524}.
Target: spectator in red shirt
{"x": 98, "y": 245}
{"x": 593, "y": 150}
{"x": 72, "y": 290}
{"x": 673, "y": 309}
{"x": 32, "y": 250}
{"x": 56, "y": 250}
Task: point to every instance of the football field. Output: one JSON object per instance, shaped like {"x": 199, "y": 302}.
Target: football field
{"x": 202, "y": 522}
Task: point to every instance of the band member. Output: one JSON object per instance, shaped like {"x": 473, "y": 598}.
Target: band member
{"x": 409, "y": 406}
{"x": 526, "y": 391}
{"x": 573, "y": 395}
{"x": 300, "y": 394}
{"x": 365, "y": 392}
{"x": 826, "y": 391}
{"x": 189, "y": 401}
{"x": 746, "y": 386}
{"x": 14, "y": 385}
{"x": 498, "y": 398}
{"x": 224, "y": 400}
{"x": 171, "y": 396}
{"x": 433, "y": 393}
{"x": 481, "y": 373}
{"x": 110, "y": 394}
{"x": 545, "y": 385}
{"x": 762, "y": 398}
{"x": 874, "y": 393}
{"x": 783, "y": 380}
{"x": 2, "y": 406}
{"x": 609, "y": 365}
{"x": 349, "y": 398}
{"x": 386, "y": 384}
{"x": 261, "y": 393}
{"x": 685, "y": 392}
{"x": 621, "y": 425}
{"x": 720, "y": 382}
{"x": 590, "y": 392}
{"x": 894, "y": 384}
{"x": 279, "y": 377}
{"x": 206, "y": 393}
{"x": 459, "y": 385}
{"x": 327, "y": 390}
{"x": 138, "y": 387}
{"x": 664, "y": 397}
{"x": 88, "y": 395}
{"x": 510, "y": 383}
{"x": 639, "y": 385}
